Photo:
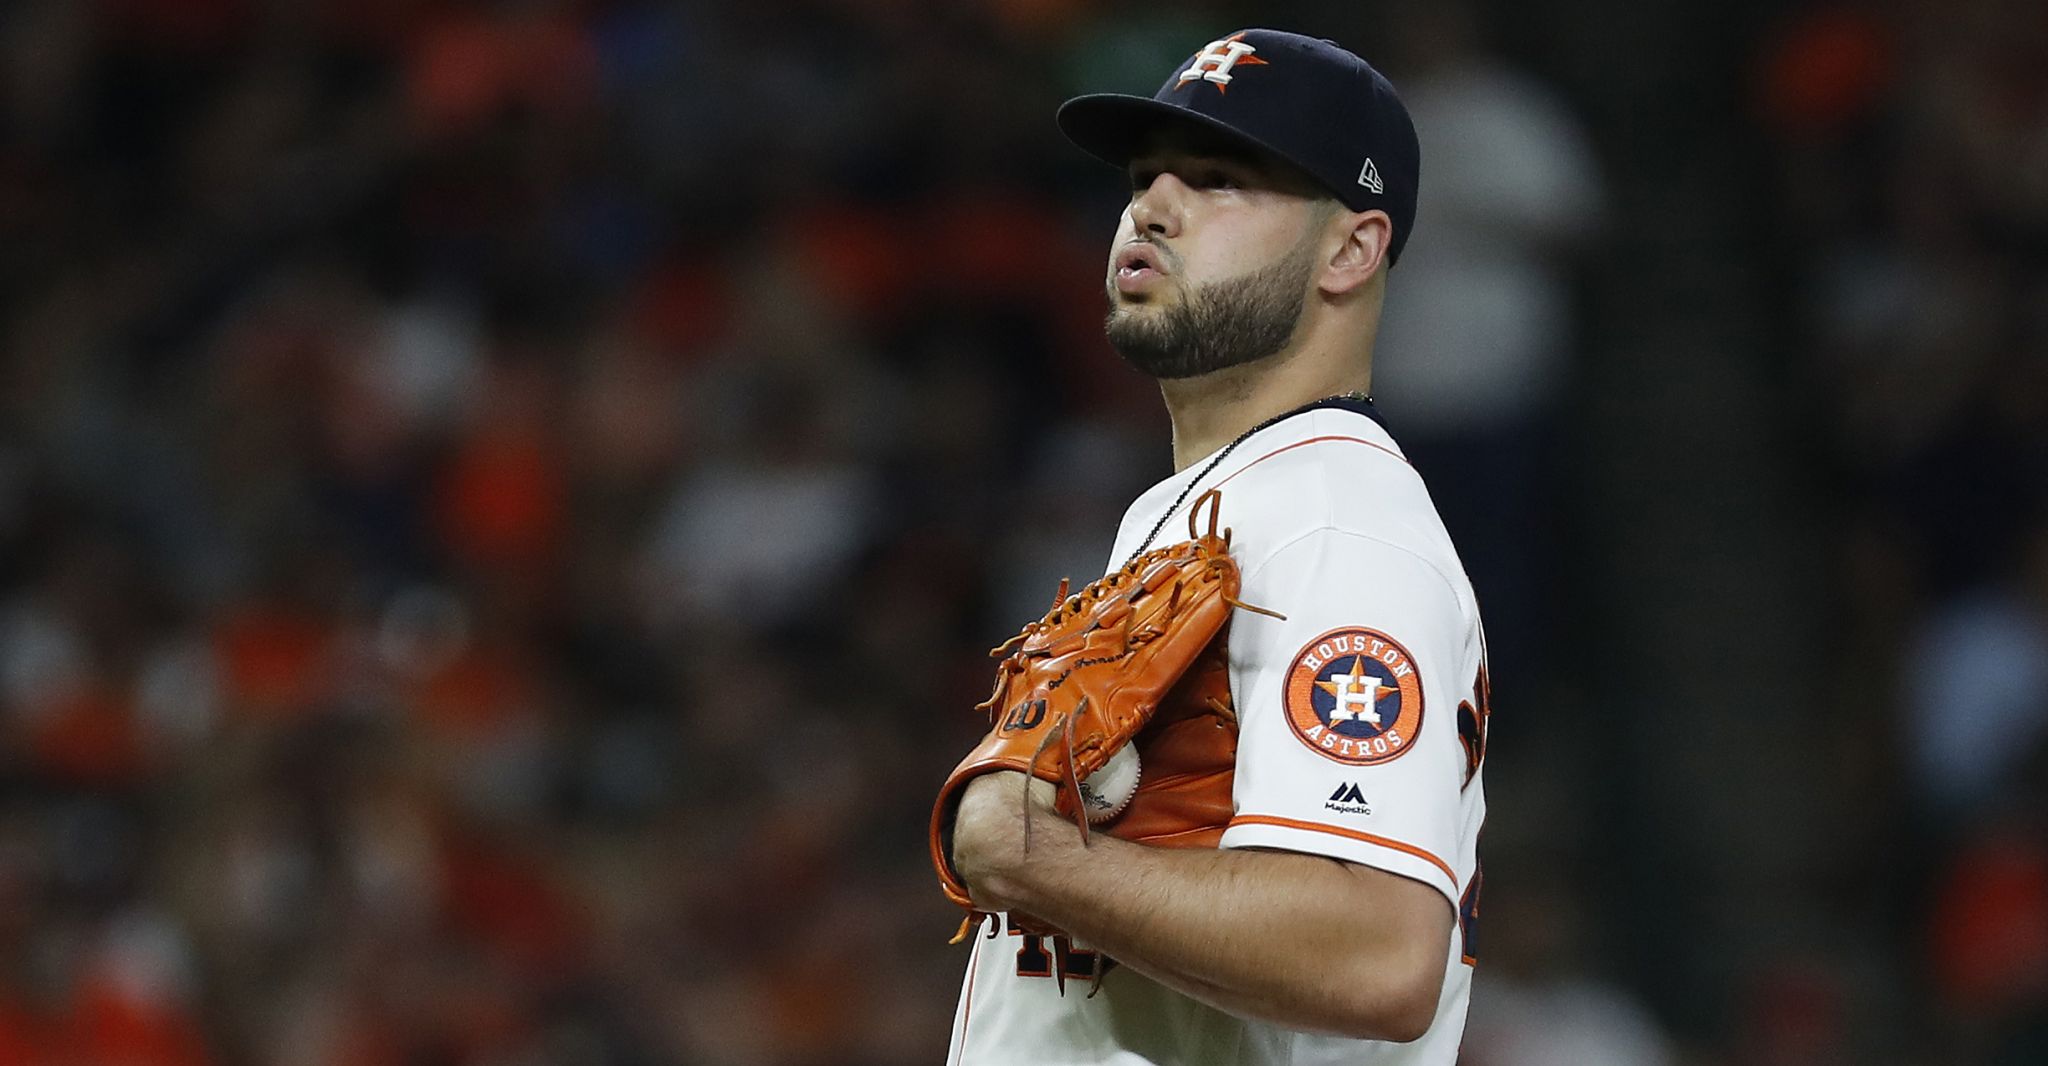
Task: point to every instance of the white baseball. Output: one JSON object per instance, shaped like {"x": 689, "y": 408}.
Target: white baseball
{"x": 1106, "y": 792}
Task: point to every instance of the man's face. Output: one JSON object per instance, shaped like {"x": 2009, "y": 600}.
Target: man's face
{"x": 1214, "y": 258}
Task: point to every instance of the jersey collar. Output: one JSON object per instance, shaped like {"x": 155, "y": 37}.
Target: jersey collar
{"x": 1353, "y": 402}
{"x": 1350, "y": 401}
{"x": 1356, "y": 403}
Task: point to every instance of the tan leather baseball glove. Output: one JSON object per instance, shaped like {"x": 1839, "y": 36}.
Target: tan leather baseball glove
{"x": 1078, "y": 684}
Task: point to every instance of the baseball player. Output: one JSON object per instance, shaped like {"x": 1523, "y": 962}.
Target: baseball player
{"x": 1327, "y": 915}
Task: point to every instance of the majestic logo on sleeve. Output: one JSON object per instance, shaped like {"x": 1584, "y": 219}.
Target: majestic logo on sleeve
{"x": 1214, "y": 62}
{"x": 1354, "y": 696}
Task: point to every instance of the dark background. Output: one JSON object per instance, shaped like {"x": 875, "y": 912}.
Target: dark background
{"x": 502, "y": 506}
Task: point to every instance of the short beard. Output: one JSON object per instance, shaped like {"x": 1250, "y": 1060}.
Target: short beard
{"x": 1221, "y": 325}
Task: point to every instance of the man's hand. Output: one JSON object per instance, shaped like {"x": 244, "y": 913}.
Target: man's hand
{"x": 988, "y": 831}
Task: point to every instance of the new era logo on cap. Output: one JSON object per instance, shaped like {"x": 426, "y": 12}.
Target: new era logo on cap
{"x": 1306, "y": 101}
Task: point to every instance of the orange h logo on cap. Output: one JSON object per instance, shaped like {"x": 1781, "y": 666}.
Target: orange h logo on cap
{"x": 1213, "y": 63}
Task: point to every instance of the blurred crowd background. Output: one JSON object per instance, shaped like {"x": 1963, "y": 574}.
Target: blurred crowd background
{"x": 503, "y": 504}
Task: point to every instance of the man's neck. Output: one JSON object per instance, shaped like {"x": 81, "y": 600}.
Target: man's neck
{"x": 1210, "y": 411}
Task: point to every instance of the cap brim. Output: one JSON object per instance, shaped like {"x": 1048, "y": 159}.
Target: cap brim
{"x": 1112, "y": 126}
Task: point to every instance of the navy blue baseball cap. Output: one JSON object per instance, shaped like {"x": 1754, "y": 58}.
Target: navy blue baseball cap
{"x": 1307, "y": 101}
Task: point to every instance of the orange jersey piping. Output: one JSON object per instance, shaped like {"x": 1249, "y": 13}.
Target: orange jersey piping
{"x": 1352, "y": 834}
{"x": 1303, "y": 444}
{"x": 967, "y": 999}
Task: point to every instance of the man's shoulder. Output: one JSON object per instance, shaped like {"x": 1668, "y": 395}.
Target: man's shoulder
{"x": 1334, "y": 475}
{"x": 1328, "y": 470}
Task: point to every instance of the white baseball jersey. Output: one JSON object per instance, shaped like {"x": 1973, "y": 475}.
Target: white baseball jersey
{"x": 1362, "y": 722}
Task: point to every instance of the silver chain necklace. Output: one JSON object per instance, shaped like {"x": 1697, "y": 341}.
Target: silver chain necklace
{"x": 1224, "y": 454}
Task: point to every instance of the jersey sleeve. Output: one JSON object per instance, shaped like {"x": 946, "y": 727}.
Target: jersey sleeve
{"x": 1347, "y": 709}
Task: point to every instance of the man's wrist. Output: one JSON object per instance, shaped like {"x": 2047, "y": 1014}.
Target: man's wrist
{"x": 988, "y": 831}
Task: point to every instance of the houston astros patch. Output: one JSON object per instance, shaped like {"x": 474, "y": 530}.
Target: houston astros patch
{"x": 1354, "y": 696}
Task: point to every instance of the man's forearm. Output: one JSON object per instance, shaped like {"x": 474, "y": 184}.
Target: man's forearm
{"x": 1184, "y": 918}
{"x": 1275, "y": 936}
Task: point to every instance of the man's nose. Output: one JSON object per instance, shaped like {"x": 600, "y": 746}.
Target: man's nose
{"x": 1156, "y": 209}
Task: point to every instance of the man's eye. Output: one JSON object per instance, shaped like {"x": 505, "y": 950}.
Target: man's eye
{"x": 1195, "y": 179}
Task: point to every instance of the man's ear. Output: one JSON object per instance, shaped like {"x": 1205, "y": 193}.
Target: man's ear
{"x": 1366, "y": 237}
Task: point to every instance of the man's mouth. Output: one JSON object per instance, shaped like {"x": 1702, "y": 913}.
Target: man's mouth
{"x": 1137, "y": 266}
